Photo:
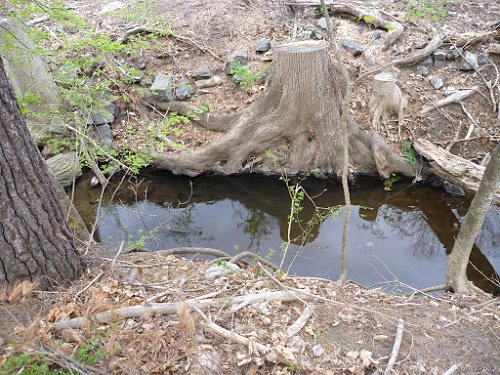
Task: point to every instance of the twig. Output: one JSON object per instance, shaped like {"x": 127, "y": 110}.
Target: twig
{"x": 187, "y": 40}
{"x": 248, "y": 254}
{"x": 135, "y": 30}
{"x": 456, "y": 98}
{"x": 395, "y": 348}
{"x": 452, "y": 369}
{"x": 92, "y": 282}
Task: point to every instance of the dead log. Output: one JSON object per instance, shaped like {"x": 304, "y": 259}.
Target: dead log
{"x": 452, "y": 168}
{"x": 455, "y": 98}
{"x": 294, "y": 125}
{"x": 387, "y": 101}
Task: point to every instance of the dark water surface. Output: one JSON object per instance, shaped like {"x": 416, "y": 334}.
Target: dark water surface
{"x": 402, "y": 234}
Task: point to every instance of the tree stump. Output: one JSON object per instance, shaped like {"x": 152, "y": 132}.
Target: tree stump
{"x": 294, "y": 125}
{"x": 387, "y": 101}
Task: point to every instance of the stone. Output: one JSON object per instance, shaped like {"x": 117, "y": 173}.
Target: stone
{"x": 263, "y": 45}
{"x": 202, "y": 73}
{"x": 184, "y": 91}
{"x": 322, "y": 23}
{"x": 468, "y": 62}
{"x": 227, "y": 68}
{"x": 65, "y": 167}
{"x": 423, "y": 70}
{"x": 453, "y": 189}
{"x": 437, "y": 82}
{"x": 163, "y": 88}
{"x": 111, "y": 7}
{"x": 94, "y": 181}
{"x": 352, "y": 47}
{"x": 105, "y": 135}
{"x": 66, "y": 74}
{"x": 57, "y": 126}
{"x": 439, "y": 58}
{"x": 205, "y": 83}
{"x": 142, "y": 65}
{"x": 428, "y": 61}
{"x": 219, "y": 270}
{"x": 483, "y": 60}
{"x": 454, "y": 54}
{"x": 377, "y": 34}
{"x": 318, "y": 350}
{"x": 103, "y": 111}
{"x": 241, "y": 57}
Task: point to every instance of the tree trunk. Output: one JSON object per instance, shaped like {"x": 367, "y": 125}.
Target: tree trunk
{"x": 35, "y": 242}
{"x": 456, "y": 276}
{"x": 297, "y": 120}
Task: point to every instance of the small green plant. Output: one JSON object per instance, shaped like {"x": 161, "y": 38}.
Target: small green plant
{"x": 408, "y": 152}
{"x": 367, "y": 19}
{"x": 90, "y": 352}
{"x": 433, "y": 10}
{"x": 28, "y": 99}
{"x": 319, "y": 10}
{"x": 388, "y": 183}
{"x": 31, "y": 364}
{"x": 244, "y": 76}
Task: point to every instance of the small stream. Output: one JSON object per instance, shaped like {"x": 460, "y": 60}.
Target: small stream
{"x": 403, "y": 234}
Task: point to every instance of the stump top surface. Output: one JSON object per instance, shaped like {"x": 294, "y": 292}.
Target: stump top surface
{"x": 303, "y": 47}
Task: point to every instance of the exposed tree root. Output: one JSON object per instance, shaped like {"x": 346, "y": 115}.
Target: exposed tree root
{"x": 293, "y": 126}
{"x": 461, "y": 40}
{"x": 434, "y": 44}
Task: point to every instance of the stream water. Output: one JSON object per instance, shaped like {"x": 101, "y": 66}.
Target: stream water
{"x": 403, "y": 234}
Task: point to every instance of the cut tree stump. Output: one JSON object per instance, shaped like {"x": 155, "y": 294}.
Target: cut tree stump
{"x": 387, "y": 101}
{"x": 452, "y": 168}
{"x": 294, "y": 126}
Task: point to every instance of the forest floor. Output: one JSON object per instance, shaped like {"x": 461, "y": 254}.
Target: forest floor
{"x": 345, "y": 329}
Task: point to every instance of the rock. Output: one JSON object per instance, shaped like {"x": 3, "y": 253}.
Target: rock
{"x": 377, "y": 34}
{"x": 352, "y": 47}
{"x": 318, "y": 350}
{"x": 205, "y": 83}
{"x": 184, "y": 91}
{"x": 142, "y": 65}
{"x": 483, "y": 60}
{"x": 227, "y": 68}
{"x": 437, "y": 82}
{"x": 105, "y": 135}
{"x": 66, "y": 74}
{"x": 322, "y": 23}
{"x": 202, "y": 74}
{"x": 223, "y": 269}
{"x": 454, "y": 54}
{"x": 103, "y": 112}
{"x": 449, "y": 90}
{"x": 423, "y": 70}
{"x": 428, "y": 61}
{"x": 241, "y": 57}
{"x": 468, "y": 62}
{"x": 94, "y": 181}
{"x": 111, "y": 7}
{"x": 439, "y": 58}
{"x": 65, "y": 168}
{"x": 57, "y": 126}
{"x": 263, "y": 45}
{"x": 163, "y": 88}
{"x": 453, "y": 189}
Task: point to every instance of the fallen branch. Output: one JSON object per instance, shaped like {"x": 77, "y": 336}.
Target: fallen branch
{"x": 134, "y": 31}
{"x": 452, "y": 369}
{"x": 396, "y": 347}
{"x": 189, "y": 250}
{"x": 173, "y": 307}
{"x": 452, "y": 168}
{"x": 461, "y": 40}
{"x": 300, "y": 322}
{"x": 434, "y": 44}
{"x": 248, "y": 254}
{"x": 455, "y": 98}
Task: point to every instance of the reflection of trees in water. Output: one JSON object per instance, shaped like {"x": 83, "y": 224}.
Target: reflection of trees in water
{"x": 253, "y": 222}
{"x": 489, "y": 237}
{"x": 183, "y": 230}
{"x": 408, "y": 224}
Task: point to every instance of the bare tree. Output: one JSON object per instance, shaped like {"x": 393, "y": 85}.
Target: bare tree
{"x": 456, "y": 276}
{"x": 35, "y": 241}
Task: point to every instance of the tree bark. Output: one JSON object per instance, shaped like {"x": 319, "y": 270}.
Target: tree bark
{"x": 297, "y": 120}
{"x": 35, "y": 242}
{"x": 456, "y": 276}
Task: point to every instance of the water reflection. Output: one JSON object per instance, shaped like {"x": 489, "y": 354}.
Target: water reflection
{"x": 402, "y": 234}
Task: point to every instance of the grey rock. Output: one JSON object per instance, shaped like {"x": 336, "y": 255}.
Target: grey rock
{"x": 142, "y": 65}
{"x": 103, "y": 111}
{"x": 57, "y": 126}
{"x": 241, "y": 57}
{"x": 202, "y": 73}
{"x": 453, "y": 66}
{"x": 184, "y": 91}
{"x": 322, "y": 23}
{"x": 105, "y": 135}
{"x": 454, "y": 54}
{"x": 318, "y": 350}
{"x": 352, "y": 47}
{"x": 453, "y": 189}
{"x": 111, "y": 7}
{"x": 65, "y": 168}
{"x": 437, "y": 82}
{"x": 428, "y": 61}
{"x": 439, "y": 55}
{"x": 205, "y": 83}
{"x": 377, "y": 34}
{"x": 263, "y": 45}
{"x": 423, "y": 70}
{"x": 163, "y": 88}
{"x": 227, "y": 68}
{"x": 468, "y": 62}
{"x": 223, "y": 269}
{"x": 94, "y": 181}
{"x": 449, "y": 90}
{"x": 66, "y": 74}
{"x": 483, "y": 60}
